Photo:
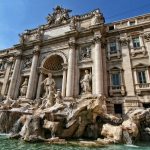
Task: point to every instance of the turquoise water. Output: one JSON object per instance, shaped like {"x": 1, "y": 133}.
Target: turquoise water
{"x": 7, "y": 144}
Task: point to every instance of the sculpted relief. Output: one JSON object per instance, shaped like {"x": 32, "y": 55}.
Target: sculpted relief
{"x": 60, "y": 15}
{"x": 85, "y": 53}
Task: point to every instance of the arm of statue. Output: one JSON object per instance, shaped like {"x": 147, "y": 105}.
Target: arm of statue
{"x": 43, "y": 82}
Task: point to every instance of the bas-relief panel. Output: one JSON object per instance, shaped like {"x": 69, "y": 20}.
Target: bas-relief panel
{"x": 56, "y": 32}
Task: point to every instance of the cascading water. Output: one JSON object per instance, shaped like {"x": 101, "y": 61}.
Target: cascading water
{"x": 127, "y": 138}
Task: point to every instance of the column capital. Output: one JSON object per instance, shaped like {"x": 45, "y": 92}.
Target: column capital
{"x": 124, "y": 41}
{"x": 72, "y": 44}
{"x": 97, "y": 39}
{"x": 147, "y": 37}
{"x": 36, "y": 50}
{"x": 10, "y": 60}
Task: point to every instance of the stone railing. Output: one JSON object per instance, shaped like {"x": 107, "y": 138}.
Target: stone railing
{"x": 116, "y": 54}
{"x": 142, "y": 86}
{"x": 114, "y": 89}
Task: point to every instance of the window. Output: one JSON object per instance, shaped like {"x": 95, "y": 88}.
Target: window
{"x": 136, "y": 42}
{"x": 118, "y": 108}
{"x": 111, "y": 28}
{"x": 115, "y": 78}
{"x": 141, "y": 77}
{"x": 131, "y": 23}
{"x": 146, "y": 105}
{"x": 113, "y": 47}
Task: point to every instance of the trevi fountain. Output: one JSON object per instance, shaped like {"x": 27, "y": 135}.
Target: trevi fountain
{"x": 57, "y": 97}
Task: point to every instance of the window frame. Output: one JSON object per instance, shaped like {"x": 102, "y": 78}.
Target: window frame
{"x": 136, "y": 43}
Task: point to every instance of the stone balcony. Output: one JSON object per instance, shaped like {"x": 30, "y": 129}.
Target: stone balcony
{"x": 117, "y": 89}
{"x": 142, "y": 87}
{"x": 138, "y": 50}
{"x": 114, "y": 55}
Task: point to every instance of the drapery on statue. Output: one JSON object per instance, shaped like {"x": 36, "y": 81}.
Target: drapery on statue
{"x": 85, "y": 83}
{"x": 24, "y": 86}
{"x": 49, "y": 84}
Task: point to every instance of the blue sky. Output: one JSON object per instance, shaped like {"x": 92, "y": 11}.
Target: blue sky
{"x": 18, "y": 15}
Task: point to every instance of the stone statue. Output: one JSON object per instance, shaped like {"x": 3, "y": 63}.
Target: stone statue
{"x": 59, "y": 15}
{"x": 96, "y": 18}
{"x": 22, "y": 38}
{"x": 49, "y": 84}
{"x": 85, "y": 82}
{"x": 39, "y": 34}
{"x": 58, "y": 97}
{"x": 24, "y": 86}
{"x": 73, "y": 23}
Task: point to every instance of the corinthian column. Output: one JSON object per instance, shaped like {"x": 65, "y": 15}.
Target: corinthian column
{"x": 14, "y": 77}
{"x": 71, "y": 70}
{"x": 98, "y": 66}
{"x": 33, "y": 74}
{"x": 6, "y": 78}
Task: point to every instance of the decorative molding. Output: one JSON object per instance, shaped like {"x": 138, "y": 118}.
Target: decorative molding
{"x": 147, "y": 37}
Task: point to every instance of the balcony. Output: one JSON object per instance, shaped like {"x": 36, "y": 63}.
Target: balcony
{"x": 142, "y": 87}
{"x": 116, "y": 54}
{"x": 117, "y": 89}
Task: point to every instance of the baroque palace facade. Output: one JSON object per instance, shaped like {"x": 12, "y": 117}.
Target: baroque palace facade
{"x": 115, "y": 56}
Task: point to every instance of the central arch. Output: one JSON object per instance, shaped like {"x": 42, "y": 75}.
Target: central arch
{"x": 54, "y": 63}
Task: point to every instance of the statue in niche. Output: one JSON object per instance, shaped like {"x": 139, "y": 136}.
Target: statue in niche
{"x": 49, "y": 84}
{"x": 86, "y": 83}
{"x": 24, "y": 86}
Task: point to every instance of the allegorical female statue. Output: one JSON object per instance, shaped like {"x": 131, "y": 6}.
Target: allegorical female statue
{"x": 86, "y": 83}
{"x": 24, "y": 86}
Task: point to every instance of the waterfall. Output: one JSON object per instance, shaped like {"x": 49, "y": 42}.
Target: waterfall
{"x": 17, "y": 127}
{"x": 127, "y": 138}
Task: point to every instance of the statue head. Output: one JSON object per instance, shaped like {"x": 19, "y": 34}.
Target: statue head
{"x": 50, "y": 75}
{"x": 86, "y": 71}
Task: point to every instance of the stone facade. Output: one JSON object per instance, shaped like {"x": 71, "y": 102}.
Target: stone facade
{"x": 85, "y": 56}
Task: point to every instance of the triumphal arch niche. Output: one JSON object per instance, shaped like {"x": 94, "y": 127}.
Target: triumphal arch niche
{"x": 68, "y": 48}
{"x": 55, "y": 63}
